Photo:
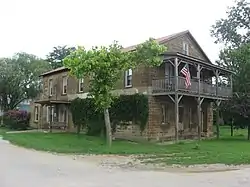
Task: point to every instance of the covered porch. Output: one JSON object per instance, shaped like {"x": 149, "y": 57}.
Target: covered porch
{"x": 53, "y": 114}
{"x": 208, "y": 82}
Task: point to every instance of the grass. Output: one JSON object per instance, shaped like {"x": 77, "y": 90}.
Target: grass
{"x": 227, "y": 150}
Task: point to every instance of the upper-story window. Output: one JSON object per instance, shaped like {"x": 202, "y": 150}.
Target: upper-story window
{"x": 65, "y": 85}
{"x": 50, "y": 87}
{"x": 81, "y": 82}
{"x": 185, "y": 48}
{"x": 128, "y": 78}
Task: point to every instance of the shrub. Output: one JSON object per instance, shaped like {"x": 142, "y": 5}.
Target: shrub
{"x": 17, "y": 119}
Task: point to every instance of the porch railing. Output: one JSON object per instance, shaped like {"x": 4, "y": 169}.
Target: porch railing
{"x": 168, "y": 85}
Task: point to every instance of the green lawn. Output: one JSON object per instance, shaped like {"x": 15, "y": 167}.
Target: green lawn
{"x": 228, "y": 150}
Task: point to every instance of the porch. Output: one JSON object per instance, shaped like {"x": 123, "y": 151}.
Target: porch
{"x": 167, "y": 86}
{"x": 206, "y": 79}
{"x": 183, "y": 76}
{"x": 54, "y": 114}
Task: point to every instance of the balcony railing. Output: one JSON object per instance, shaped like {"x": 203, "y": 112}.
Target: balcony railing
{"x": 164, "y": 86}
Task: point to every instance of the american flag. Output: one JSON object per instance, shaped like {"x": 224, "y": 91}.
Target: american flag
{"x": 186, "y": 73}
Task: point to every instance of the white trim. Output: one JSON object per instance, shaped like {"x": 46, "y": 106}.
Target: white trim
{"x": 128, "y": 73}
{"x": 64, "y": 84}
{"x": 50, "y": 87}
{"x": 80, "y": 81}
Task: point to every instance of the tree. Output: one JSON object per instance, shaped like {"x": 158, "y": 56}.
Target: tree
{"x": 234, "y": 33}
{"x": 105, "y": 64}
{"x": 19, "y": 78}
{"x": 235, "y": 29}
{"x": 55, "y": 58}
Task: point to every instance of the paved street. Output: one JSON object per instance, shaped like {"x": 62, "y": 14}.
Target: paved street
{"x": 27, "y": 168}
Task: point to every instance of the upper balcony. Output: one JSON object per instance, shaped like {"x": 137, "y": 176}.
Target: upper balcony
{"x": 167, "y": 86}
{"x": 207, "y": 79}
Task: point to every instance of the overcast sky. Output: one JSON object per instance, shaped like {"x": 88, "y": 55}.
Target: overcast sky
{"x": 35, "y": 26}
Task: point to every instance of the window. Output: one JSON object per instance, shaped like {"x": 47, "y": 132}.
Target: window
{"x": 164, "y": 110}
{"x": 81, "y": 82}
{"x": 50, "y": 112}
{"x": 36, "y": 113}
{"x": 50, "y": 87}
{"x": 185, "y": 48}
{"x": 65, "y": 85}
{"x": 128, "y": 78}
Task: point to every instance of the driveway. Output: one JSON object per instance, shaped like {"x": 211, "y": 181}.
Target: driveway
{"x": 27, "y": 168}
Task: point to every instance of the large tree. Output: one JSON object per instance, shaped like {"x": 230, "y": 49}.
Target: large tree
{"x": 19, "y": 78}
{"x": 234, "y": 33}
{"x": 55, "y": 58}
{"x": 234, "y": 30}
{"x": 105, "y": 64}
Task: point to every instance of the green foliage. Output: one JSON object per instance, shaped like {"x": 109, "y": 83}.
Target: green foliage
{"x": 125, "y": 108}
{"x": 55, "y": 58}
{"x": 16, "y": 119}
{"x": 104, "y": 66}
{"x": 235, "y": 29}
{"x": 19, "y": 78}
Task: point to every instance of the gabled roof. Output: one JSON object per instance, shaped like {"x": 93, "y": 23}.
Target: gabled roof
{"x": 57, "y": 70}
{"x": 161, "y": 40}
{"x": 165, "y": 39}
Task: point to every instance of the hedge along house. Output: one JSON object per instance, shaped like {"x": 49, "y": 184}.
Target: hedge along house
{"x": 173, "y": 106}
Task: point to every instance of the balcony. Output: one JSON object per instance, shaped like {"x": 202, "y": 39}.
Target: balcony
{"x": 167, "y": 86}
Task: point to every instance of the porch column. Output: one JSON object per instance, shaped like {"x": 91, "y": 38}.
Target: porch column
{"x": 176, "y": 101}
{"x": 217, "y": 80}
{"x": 50, "y": 118}
{"x": 218, "y": 118}
{"x": 41, "y": 116}
{"x": 199, "y": 101}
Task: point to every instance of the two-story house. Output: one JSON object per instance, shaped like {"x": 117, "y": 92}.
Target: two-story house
{"x": 180, "y": 92}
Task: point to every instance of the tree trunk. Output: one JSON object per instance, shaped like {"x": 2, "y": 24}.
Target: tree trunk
{"x": 248, "y": 132}
{"x": 232, "y": 129}
{"x": 108, "y": 127}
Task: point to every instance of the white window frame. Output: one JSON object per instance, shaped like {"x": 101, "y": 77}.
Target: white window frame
{"x": 80, "y": 85}
{"x": 64, "y": 84}
{"x": 128, "y": 73}
{"x": 48, "y": 114}
{"x": 50, "y": 87}
{"x": 185, "y": 48}
{"x": 36, "y": 114}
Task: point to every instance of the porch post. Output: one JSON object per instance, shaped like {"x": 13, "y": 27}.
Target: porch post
{"x": 50, "y": 119}
{"x": 176, "y": 101}
{"x": 217, "y": 118}
{"x": 199, "y": 101}
{"x": 217, "y": 80}
{"x": 41, "y": 116}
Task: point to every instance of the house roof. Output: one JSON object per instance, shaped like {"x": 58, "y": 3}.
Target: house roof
{"x": 57, "y": 70}
{"x": 161, "y": 40}
{"x": 164, "y": 39}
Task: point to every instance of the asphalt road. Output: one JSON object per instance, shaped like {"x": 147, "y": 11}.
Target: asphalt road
{"x": 27, "y": 168}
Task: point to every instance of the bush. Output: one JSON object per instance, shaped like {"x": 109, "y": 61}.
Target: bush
{"x": 17, "y": 119}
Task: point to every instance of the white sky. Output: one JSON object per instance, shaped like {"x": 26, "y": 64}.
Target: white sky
{"x": 36, "y": 26}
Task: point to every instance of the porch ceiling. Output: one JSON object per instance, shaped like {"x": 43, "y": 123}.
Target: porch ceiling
{"x": 49, "y": 102}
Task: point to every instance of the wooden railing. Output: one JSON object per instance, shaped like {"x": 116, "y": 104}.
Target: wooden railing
{"x": 168, "y": 85}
